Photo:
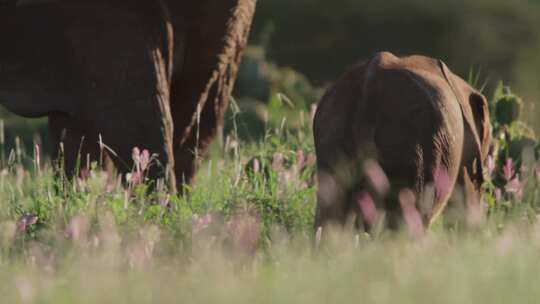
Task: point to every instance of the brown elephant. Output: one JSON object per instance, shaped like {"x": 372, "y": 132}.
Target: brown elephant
{"x": 422, "y": 124}
{"x": 156, "y": 74}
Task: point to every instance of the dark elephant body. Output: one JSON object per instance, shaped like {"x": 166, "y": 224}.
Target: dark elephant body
{"x": 150, "y": 74}
{"x": 423, "y": 125}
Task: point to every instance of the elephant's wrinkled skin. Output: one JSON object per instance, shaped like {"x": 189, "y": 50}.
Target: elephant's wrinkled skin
{"x": 156, "y": 74}
{"x": 424, "y": 125}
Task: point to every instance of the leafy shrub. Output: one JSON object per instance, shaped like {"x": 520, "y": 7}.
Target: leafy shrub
{"x": 514, "y": 164}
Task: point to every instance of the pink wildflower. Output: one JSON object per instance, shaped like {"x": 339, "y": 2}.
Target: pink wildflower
{"x": 476, "y": 213}
{"x": 25, "y": 221}
{"x": 244, "y": 231}
{"x": 201, "y": 223}
{"x": 144, "y": 160}
{"x": 318, "y": 237}
{"x": 367, "y": 208}
{"x": 412, "y": 217}
{"x": 377, "y": 177}
{"x": 508, "y": 169}
{"x": 164, "y": 200}
{"x": 300, "y": 159}
{"x": 515, "y": 187}
{"x": 141, "y": 160}
{"x": 256, "y": 165}
{"x": 77, "y": 229}
{"x": 136, "y": 155}
{"x": 490, "y": 165}
{"x": 277, "y": 162}
{"x": 136, "y": 177}
{"x": 311, "y": 160}
{"x": 441, "y": 181}
{"x": 85, "y": 173}
{"x": 498, "y": 194}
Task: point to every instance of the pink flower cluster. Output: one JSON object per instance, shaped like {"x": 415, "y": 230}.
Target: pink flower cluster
{"x": 514, "y": 185}
{"x": 141, "y": 162}
{"x": 200, "y": 223}
{"x": 244, "y": 230}
{"x": 241, "y": 231}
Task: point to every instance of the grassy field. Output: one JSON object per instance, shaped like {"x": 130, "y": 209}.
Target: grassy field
{"x": 243, "y": 232}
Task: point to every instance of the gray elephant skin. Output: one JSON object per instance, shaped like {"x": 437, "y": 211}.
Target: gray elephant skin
{"x": 425, "y": 127}
{"x": 155, "y": 74}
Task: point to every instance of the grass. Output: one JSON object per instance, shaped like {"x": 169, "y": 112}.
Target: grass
{"x": 243, "y": 234}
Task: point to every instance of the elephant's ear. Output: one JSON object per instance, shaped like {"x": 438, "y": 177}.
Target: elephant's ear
{"x": 476, "y": 122}
{"x": 480, "y": 112}
{"x": 474, "y": 108}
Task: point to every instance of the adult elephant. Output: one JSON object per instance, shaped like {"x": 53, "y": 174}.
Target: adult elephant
{"x": 155, "y": 74}
{"x": 421, "y": 123}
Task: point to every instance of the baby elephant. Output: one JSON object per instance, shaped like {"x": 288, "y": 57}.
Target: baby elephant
{"x": 393, "y": 127}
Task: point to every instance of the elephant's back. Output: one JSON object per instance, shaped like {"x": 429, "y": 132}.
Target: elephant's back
{"x": 417, "y": 125}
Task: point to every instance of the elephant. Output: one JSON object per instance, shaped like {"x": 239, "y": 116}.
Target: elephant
{"x": 422, "y": 126}
{"x": 112, "y": 75}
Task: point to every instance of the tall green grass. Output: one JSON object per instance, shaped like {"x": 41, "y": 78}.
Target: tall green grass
{"x": 243, "y": 232}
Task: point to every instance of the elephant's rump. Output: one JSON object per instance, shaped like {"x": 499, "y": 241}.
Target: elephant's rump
{"x": 418, "y": 139}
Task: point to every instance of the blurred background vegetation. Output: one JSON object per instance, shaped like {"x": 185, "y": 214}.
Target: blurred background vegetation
{"x": 298, "y": 47}
{"x": 320, "y": 38}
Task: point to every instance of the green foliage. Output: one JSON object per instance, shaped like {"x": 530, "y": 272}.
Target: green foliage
{"x": 513, "y": 165}
{"x": 291, "y": 103}
{"x": 509, "y": 131}
{"x": 508, "y": 108}
{"x": 261, "y": 79}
